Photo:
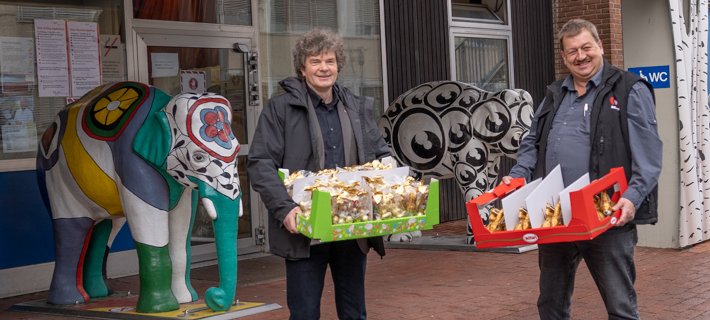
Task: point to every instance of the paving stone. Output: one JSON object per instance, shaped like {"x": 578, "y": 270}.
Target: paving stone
{"x": 464, "y": 284}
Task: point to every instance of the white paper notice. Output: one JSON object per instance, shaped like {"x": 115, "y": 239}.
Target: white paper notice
{"x": 17, "y": 65}
{"x": 52, "y": 61}
{"x": 19, "y": 138}
{"x": 164, "y": 64}
{"x": 84, "y": 56}
{"x": 113, "y": 62}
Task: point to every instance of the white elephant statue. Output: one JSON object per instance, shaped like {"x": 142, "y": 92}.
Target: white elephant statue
{"x": 128, "y": 152}
{"x": 450, "y": 129}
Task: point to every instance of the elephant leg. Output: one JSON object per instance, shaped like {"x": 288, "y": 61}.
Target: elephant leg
{"x": 154, "y": 273}
{"x": 149, "y": 228}
{"x": 96, "y": 256}
{"x": 181, "y": 222}
{"x": 70, "y": 238}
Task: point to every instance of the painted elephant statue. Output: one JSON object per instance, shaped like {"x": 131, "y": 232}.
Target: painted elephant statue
{"x": 129, "y": 152}
{"x": 451, "y": 129}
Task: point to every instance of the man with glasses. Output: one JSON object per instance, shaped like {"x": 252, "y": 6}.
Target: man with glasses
{"x": 597, "y": 118}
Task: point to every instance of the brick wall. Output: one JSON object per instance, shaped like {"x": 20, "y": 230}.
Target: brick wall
{"x": 605, "y": 14}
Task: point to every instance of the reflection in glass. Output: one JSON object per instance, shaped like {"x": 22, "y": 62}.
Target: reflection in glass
{"x": 224, "y": 75}
{"x": 358, "y": 22}
{"x": 482, "y": 62}
{"x": 474, "y": 12}
{"x": 234, "y": 12}
{"x": 24, "y": 115}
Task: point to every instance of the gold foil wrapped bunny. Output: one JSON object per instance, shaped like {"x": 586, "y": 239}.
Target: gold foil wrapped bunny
{"x": 496, "y": 221}
{"x": 523, "y": 220}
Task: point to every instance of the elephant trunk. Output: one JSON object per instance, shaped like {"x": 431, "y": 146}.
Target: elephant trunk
{"x": 225, "y": 214}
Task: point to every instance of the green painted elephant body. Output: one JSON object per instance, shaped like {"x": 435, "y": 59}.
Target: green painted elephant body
{"x": 129, "y": 150}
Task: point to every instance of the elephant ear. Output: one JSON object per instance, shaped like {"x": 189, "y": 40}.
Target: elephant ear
{"x": 154, "y": 140}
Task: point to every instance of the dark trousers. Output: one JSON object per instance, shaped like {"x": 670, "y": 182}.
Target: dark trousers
{"x": 610, "y": 260}
{"x": 305, "y": 278}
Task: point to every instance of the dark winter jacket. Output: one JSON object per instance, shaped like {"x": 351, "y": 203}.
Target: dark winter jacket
{"x": 287, "y": 137}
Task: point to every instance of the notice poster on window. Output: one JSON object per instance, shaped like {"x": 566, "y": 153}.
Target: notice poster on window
{"x": 164, "y": 64}
{"x": 113, "y": 61}
{"x": 19, "y": 138}
{"x": 84, "y": 57}
{"x": 17, "y": 65}
{"x": 16, "y": 110}
{"x": 52, "y": 58}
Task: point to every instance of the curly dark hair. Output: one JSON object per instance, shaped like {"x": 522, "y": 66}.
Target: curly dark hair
{"x": 315, "y": 42}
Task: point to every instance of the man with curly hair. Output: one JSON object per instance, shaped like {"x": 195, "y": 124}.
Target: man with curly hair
{"x": 316, "y": 124}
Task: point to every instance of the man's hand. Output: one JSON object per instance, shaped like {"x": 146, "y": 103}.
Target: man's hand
{"x": 290, "y": 220}
{"x": 628, "y": 211}
{"x": 506, "y": 179}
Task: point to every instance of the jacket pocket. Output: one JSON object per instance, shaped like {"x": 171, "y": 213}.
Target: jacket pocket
{"x": 647, "y": 212}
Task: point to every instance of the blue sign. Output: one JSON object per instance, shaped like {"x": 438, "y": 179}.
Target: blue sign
{"x": 657, "y": 76}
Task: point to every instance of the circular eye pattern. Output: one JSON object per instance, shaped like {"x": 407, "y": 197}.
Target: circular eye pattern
{"x": 459, "y": 127}
{"x": 423, "y": 148}
{"x": 199, "y": 157}
{"x": 446, "y": 127}
{"x": 442, "y": 96}
{"x": 490, "y": 120}
{"x": 414, "y": 97}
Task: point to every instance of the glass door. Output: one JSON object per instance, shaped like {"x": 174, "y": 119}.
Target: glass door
{"x": 221, "y": 65}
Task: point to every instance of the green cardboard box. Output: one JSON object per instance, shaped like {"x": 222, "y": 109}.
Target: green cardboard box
{"x": 319, "y": 224}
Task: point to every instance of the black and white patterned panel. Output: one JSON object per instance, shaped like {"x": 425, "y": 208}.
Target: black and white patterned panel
{"x": 452, "y": 129}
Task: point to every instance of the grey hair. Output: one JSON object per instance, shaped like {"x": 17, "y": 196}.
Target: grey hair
{"x": 315, "y": 42}
{"x": 576, "y": 26}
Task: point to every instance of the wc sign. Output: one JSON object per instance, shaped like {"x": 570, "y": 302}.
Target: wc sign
{"x": 657, "y": 76}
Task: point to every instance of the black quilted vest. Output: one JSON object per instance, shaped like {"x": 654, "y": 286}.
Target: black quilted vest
{"x": 608, "y": 132}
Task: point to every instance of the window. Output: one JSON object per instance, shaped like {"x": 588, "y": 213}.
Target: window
{"x": 481, "y": 44}
{"x": 366, "y": 19}
{"x": 482, "y": 11}
{"x": 482, "y": 62}
{"x": 302, "y": 15}
{"x": 473, "y": 13}
{"x": 358, "y": 22}
{"x": 24, "y": 112}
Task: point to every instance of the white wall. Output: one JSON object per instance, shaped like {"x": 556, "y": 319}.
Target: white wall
{"x": 648, "y": 41}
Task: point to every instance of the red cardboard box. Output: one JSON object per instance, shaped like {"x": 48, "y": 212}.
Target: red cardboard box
{"x": 584, "y": 225}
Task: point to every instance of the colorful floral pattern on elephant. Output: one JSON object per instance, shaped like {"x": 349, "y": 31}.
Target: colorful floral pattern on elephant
{"x": 109, "y": 114}
{"x": 209, "y": 127}
{"x": 216, "y": 127}
{"x": 203, "y": 142}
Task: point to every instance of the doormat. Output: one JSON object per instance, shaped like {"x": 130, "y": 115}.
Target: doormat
{"x": 122, "y": 306}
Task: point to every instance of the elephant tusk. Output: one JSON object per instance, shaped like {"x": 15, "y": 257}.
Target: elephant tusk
{"x": 241, "y": 208}
{"x": 209, "y": 206}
